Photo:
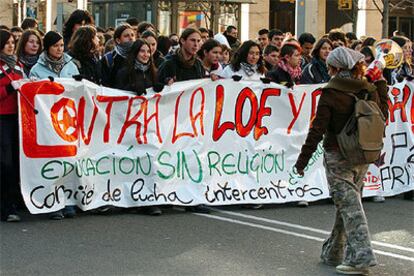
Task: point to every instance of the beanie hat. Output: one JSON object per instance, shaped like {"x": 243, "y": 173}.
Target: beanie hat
{"x": 50, "y": 39}
{"x": 344, "y": 58}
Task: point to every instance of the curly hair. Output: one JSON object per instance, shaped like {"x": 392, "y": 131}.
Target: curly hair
{"x": 81, "y": 44}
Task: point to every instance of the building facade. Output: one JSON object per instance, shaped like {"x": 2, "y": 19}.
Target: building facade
{"x": 172, "y": 16}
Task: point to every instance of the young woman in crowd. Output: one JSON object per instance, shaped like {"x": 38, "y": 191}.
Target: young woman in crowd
{"x": 317, "y": 71}
{"x": 76, "y": 19}
{"x": 156, "y": 55}
{"x": 53, "y": 61}
{"x": 112, "y": 61}
{"x": 29, "y": 49}
{"x": 138, "y": 73}
{"x": 209, "y": 54}
{"x": 288, "y": 71}
{"x": 349, "y": 246}
{"x": 247, "y": 63}
{"x": 84, "y": 49}
{"x": 10, "y": 70}
{"x": 183, "y": 64}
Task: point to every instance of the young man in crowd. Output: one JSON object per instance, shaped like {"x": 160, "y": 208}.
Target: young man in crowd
{"x": 133, "y": 21}
{"x": 276, "y": 38}
{"x": 337, "y": 37}
{"x": 184, "y": 65}
{"x": 306, "y": 40}
{"x": 204, "y": 34}
{"x": 271, "y": 57}
{"x": 231, "y": 35}
{"x": 263, "y": 38}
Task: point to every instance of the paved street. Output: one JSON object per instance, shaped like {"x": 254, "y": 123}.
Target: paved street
{"x": 277, "y": 240}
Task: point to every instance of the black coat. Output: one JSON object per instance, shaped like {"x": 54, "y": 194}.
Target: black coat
{"x": 158, "y": 59}
{"x": 281, "y": 77}
{"x": 172, "y": 68}
{"x": 142, "y": 81}
{"x": 311, "y": 74}
{"x": 89, "y": 68}
{"x": 110, "y": 63}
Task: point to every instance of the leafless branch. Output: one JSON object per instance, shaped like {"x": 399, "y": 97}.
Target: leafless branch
{"x": 377, "y": 6}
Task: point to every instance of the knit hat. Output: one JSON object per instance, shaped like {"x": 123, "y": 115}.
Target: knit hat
{"x": 344, "y": 58}
{"x": 50, "y": 39}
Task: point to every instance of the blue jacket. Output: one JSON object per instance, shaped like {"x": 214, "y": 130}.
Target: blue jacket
{"x": 41, "y": 71}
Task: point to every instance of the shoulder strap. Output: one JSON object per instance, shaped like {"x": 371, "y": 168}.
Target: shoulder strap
{"x": 77, "y": 63}
{"x": 109, "y": 58}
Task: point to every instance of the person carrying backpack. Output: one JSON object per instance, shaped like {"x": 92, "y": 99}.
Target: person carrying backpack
{"x": 349, "y": 245}
{"x": 112, "y": 61}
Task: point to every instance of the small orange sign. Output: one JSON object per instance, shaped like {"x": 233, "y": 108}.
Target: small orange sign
{"x": 344, "y": 4}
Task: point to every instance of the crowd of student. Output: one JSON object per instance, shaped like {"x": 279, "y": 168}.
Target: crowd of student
{"x": 134, "y": 57}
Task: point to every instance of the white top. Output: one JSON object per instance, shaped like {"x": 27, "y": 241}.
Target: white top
{"x": 217, "y": 72}
{"x": 228, "y": 72}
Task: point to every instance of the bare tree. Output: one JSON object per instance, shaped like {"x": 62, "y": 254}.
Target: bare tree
{"x": 385, "y": 12}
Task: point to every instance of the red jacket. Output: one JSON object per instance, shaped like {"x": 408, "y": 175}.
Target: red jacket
{"x": 8, "y": 97}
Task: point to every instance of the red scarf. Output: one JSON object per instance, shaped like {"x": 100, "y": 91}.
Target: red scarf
{"x": 295, "y": 73}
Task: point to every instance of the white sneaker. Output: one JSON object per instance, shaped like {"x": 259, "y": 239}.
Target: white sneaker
{"x": 378, "y": 199}
{"x": 13, "y": 218}
{"x": 303, "y": 203}
{"x": 351, "y": 270}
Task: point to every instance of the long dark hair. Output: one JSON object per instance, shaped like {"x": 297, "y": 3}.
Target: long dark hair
{"x": 132, "y": 55}
{"x": 76, "y": 17}
{"x": 242, "y": 53}
{"x": 81, "y": 44}
{"x": 25, "y": 38}
{"x": 4, "y": 37}
{"x": 318, "y": 46}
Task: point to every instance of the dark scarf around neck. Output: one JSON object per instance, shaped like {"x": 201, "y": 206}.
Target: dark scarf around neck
{"x": 10, "y": 60}
{"x": 186, "y": 63}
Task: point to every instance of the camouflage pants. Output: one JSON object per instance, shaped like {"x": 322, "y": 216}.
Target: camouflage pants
{"x": 349, "y": 242}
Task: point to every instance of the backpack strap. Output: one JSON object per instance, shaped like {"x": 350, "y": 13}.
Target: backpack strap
{"x": 77, "y": 63}
{"x": 109, "y": 58}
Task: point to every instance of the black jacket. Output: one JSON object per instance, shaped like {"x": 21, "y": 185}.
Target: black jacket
{"x": 281, "y": 77}
{"x": 158, "y": 59}
{"x": 173, "y": 68}
{"x": 311, "y": 74}
{"x": 142, "y": 81}
{"x": 89, "y": 68}
{"x": 111, "y": 62}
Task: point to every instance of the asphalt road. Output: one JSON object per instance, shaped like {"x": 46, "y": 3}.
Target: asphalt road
{"x": 277, "y": 240}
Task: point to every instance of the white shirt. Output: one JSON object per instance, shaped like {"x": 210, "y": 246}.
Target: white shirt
{"x": 228, "y": 72}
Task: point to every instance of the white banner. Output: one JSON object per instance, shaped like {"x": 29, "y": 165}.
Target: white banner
{"x": 198, "y": 142}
